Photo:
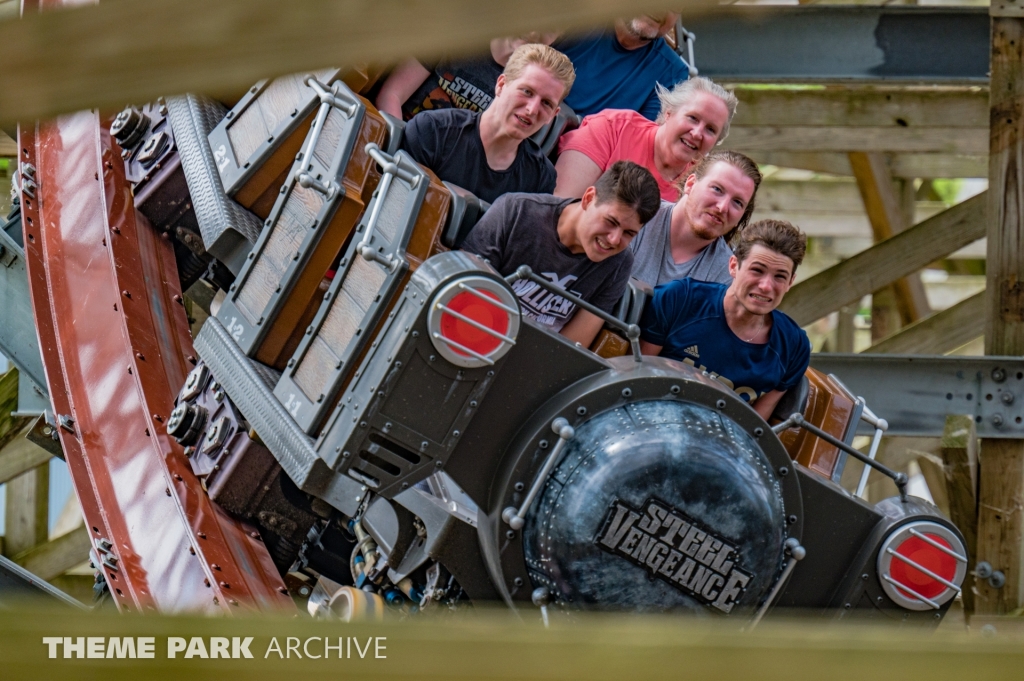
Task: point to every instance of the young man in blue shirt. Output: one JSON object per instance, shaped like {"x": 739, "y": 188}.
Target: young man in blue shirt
{"x": 735, "y": 332}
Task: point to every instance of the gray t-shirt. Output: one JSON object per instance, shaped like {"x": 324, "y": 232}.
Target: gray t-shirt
{"x": 652, "y": 255}
{"x": 522, "y": 229}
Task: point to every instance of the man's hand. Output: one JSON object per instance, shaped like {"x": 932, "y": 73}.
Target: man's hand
{"x": 583, "y": 328}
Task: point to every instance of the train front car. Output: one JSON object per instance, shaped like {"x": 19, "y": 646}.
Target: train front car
{"x": 378, "y": 407}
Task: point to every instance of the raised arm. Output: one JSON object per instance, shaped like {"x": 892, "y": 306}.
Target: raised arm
{"x": 576, "y": 172}
{"x": 400, "y": 86}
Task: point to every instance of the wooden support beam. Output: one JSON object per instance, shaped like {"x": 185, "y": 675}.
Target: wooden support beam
{"x": 8, "y": 147}
{"x": 939, "y": 333}
{"x": 27, "y": 510}
{"x": 967, "y": 141}
{"x": 887, "y": 212}
{"x": 53, "y": 62}
{"x": 21, "y": 455}
{"x": 10, "y": 425}
{"x": 960, "y": 463}
{"x": 1001, "y": 488}
{"x": 903, "y": 108}
{"x": 870, "y": 270}
{"x": 904, "y": 165}
{"x": 57, "y": 556}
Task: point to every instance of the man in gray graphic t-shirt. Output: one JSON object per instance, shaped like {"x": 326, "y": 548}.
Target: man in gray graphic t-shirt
{"x": 690, "y": 237}
{"x": 580, "y": 245}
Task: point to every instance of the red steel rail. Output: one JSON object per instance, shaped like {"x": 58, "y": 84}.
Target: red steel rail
{"x": 116, "y": 348}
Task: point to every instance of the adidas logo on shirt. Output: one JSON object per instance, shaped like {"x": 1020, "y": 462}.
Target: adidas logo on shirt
{"x": 692, "y": 350}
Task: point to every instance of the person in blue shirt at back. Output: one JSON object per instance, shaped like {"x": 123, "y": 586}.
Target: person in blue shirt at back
{"x": 735, "y": 332}
{"x": 619, "y": 69}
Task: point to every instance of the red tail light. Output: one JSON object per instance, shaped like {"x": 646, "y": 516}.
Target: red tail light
{"x": 473, "y": 321}
{"x": 922, "y": 565}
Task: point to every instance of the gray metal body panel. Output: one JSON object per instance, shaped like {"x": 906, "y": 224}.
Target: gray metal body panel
{"x": 228, "y": 230}
{"x": 292, "y": 448}
{"x": 18, "y": 339}
{"x": 382, "y": 431}
{"x": 805, "y": 44}
{"x": 915, "y": 393}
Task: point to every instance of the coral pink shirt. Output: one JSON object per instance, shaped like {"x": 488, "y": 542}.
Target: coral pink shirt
{"x": 618, "y": 135}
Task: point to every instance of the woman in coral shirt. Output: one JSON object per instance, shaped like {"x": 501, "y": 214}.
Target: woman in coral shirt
{"x": 695, "y": 116}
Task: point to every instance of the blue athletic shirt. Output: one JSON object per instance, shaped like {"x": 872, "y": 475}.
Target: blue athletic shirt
{"x": 608, "y": 76}
{"x": 687, "y": 318}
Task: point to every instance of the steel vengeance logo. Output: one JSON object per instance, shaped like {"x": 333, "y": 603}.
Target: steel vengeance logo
{"x": 670, "y": 546}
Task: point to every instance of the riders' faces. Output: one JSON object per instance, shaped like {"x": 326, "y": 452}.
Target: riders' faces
{"x": 525, "y": 105}
{"x": 715, "y": 203}
{"x": 762, "y": 279}
{"x": 604, "y": 229}
{"x": 692, "y": 130}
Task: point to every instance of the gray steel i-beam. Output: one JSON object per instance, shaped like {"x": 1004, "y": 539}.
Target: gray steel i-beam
{"x": 18, "y": 341}
{"x": 946, "y": 45}
{"x": 915, "y": 393}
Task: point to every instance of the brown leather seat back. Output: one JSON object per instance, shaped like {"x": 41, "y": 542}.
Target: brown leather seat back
{"x": 401, "y": 228}
{"x": 280, "y": 288}
{"x": 834, "y": 409}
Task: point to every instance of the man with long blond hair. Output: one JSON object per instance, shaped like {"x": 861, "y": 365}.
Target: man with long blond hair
{"x": 490, "y": 153}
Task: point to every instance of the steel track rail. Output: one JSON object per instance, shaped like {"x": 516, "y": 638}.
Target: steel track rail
{"x": 116, "y": 348}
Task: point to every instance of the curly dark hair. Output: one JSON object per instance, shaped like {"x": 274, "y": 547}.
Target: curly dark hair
{"x": 776, "y": 235}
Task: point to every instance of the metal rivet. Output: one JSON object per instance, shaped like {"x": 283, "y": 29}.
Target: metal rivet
{"x": 783, "y": 471}
{"x": 626, "y": 392}
{"x": 674, "y": 390}
{"x": 519, "y": 487}
{"x": 581, "y": 410}
{"x": 758, "y": 432}
{"x": 518, "y": 581}
{"x": 720, "y": 404}
{"x": 792, "y": 519}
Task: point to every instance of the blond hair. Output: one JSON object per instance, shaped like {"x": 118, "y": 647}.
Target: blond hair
{"x": 673, "y": 99}
{"x": 548, "y": 58}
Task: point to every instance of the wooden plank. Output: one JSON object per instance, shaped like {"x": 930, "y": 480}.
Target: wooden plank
{"x": 9, "y": 425}
{"x": 27, "y": 506}
{"x": 887, "y": 212}
{"x": 1001, "y": 488}
{"x": 57, "y": 556}
{"x": 894, "y": 107}
{"x": 887, "y": 261}
{"x": 83, "y": 58}
{"x": 495, "y": 645}
{"x": 8, "y": 147}
{"x": 21, "y": 455}
{"x": 960, "y": 464}
{"x": 905, "y": 165}
{"x": 751, "y": 139}
{"x": 939, "y": 333}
